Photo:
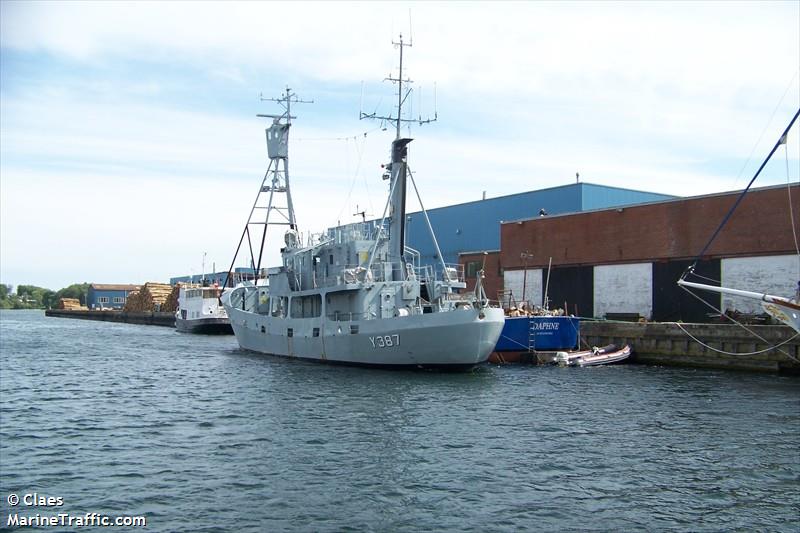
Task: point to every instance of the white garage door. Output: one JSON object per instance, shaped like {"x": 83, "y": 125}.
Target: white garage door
{"x": 776, "y": 275}
{"x": 623, "y": 289}
{"x": 514, "y": 280}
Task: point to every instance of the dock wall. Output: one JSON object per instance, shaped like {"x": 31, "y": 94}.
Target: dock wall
{"x": 656, "y": 343}
{"x": 145, "y": 318}
{"x": 669, "y": 343}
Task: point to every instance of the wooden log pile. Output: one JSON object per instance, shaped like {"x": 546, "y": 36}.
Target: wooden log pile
{"x": 131, "y": 301}
{"x": 171, "y": 303}
{"x": 151, "y": 297}
{"x": 72, "y": 304}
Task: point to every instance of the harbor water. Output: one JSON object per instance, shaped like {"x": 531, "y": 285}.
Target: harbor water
{"x": 196, "y": 435}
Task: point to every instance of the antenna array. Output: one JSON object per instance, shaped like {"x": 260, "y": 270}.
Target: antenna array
{"x": 401, "y": 98}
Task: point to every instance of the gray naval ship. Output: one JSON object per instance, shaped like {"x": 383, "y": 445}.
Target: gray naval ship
{"x": 356, "y": 294}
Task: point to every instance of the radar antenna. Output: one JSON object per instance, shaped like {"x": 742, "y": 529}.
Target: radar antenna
{"x": 363, "y": 214}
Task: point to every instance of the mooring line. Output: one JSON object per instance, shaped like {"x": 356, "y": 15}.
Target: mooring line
{"x": 775, "y": 347}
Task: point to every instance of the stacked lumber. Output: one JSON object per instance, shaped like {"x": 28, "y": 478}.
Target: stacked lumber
{"x": 171, "y": 303}
{"x": 149, "y": 298}
{"x": 72, "y": 304}
{"x": 132, "y": 301}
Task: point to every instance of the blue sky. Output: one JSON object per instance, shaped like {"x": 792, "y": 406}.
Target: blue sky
{"x": 129, "y": 144}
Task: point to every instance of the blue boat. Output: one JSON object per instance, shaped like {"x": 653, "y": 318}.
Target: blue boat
{"x": 530, "y": 334}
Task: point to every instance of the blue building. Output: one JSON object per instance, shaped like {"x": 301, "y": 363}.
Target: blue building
{"x": 475, "y": 226}
{"x": 102, "y": 296}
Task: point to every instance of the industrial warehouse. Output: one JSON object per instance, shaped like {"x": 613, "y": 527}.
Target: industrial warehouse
{"x": 612, "y": 252}
{"x": 623, "y": 262}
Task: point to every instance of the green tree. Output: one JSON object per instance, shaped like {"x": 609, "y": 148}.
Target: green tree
{"x": 76, "y": 290}
{"x": 35, "y": 296}
{"x": 7, "y": 298}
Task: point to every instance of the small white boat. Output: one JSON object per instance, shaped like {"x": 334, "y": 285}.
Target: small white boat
{"x": 596, "y": 356}
{"x": 200, "y": 310}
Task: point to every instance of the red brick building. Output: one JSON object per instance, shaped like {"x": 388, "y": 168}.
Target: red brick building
{"x": 627, "y": 259}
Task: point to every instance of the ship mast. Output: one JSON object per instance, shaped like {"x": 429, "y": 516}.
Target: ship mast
{"x": 275, "y": 182}
{"x": 398, "y": 168}
{"x": 278, "y": 151}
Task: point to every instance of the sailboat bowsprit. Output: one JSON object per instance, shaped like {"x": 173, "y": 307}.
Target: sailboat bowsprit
{"x": 357, "y": 295}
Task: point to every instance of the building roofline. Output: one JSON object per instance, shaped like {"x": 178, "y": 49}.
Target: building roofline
{"x": 643, "y": 204}
{"x": 113, "y": 287}
{"x": 568, "y": 185}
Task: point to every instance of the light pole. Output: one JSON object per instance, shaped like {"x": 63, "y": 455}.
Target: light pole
{"x": 525, "y": 256}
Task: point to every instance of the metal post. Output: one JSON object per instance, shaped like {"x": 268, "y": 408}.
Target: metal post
{"x": 525, "y": 256}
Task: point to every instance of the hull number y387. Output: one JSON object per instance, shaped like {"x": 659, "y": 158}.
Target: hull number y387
{"x": 385, "y": 341}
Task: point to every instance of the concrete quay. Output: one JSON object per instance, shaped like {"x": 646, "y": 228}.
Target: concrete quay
{"x": 669, "y": 343}
{"x": 145, "y": 318}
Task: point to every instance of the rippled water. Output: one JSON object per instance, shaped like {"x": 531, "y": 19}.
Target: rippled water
{"x": 197, "y": 435}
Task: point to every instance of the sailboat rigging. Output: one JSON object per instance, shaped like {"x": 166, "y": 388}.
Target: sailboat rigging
{"x": 784, "y": 309}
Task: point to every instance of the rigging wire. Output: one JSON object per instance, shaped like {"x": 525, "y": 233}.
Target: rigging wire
{"x": 775, "y": 347}
{"x": 360, "y": 153}
{"x": 369, "y": 195}
{"x": 766, "y": 127}
{"x": 791, "y": 210}
{"x": 359, "y": 147}
{"x": 696, "y": 275}
{"x": 348, "y": 138}
{"x": 727, "y": 217}
{"x": 428, "y": 220}
{"x": 757, "y": 352}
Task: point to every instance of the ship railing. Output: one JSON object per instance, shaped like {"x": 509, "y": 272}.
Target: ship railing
{"x": 380, "y": 272}
{"x": 341, "y": 275}
{"x": 244, "y": 297}
{"x": 425, "y": 273}
{"x": 316, "y": 239}
{"x": 451, "y": 272}
{"x": 339, "y": 316}
{"x": 237, "y": 277}
{"x": 358, "y": 231}
{"x": 414, "y": 256}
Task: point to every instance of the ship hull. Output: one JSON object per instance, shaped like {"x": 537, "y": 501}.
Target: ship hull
{"x": 455, "y": 340}
{"x": 207, "y": 326}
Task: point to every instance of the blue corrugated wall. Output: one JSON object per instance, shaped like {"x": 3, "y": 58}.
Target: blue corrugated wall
{"x": 93, "y": 296}
{"x": 600, "y": 197}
